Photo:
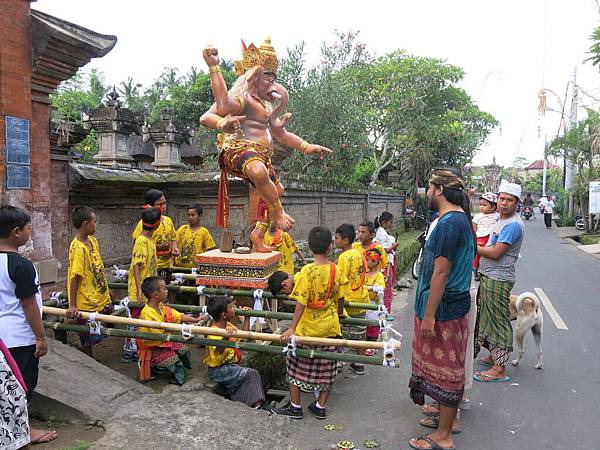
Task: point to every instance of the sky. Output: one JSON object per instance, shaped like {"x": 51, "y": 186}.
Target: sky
{"x": 509, "y": 49}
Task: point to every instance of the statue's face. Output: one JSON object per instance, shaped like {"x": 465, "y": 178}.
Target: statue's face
{"x": 267, "y": 86}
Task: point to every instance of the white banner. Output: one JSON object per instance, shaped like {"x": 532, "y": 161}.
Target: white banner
{"x": 594, "y": 197}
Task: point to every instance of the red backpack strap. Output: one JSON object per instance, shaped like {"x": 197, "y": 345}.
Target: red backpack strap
{"x": 332, "y": 271}
{"x": 168, "y": 314}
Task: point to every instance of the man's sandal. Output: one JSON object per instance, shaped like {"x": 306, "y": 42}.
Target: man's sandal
{"x": 485, "y": 378}
{"x": 431, "y": 410}
{"x": 433, "y": 422}
{"x": 432, "y": 444}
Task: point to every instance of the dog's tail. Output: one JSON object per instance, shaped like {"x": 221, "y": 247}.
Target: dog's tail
{"x": 528, "y": 295}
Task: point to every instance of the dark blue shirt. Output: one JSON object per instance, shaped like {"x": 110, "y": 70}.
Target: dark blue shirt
{"x": 452, "y": 238}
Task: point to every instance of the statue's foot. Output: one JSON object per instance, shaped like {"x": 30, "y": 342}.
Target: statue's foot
{"x": 282, "y": 220}
{"x": 257, "y": 237}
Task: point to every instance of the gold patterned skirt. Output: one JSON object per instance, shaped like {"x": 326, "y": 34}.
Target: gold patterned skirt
{"x": 235, "y": 155}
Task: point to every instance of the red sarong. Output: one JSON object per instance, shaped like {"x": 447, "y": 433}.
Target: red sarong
{"x": 438, "y": 363}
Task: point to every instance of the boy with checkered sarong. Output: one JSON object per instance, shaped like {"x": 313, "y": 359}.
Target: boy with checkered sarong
{"x": 317, "y": 290}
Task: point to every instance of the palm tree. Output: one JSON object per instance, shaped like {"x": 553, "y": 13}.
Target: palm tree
{"x": 130, "y": 90}
{"x": 97, "y": 88}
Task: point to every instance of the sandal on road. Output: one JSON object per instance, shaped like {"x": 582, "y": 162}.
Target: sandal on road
{"x": 433, "y": 422}
{"x": 432, "y": 444}
{"x": 431, "y": 410}
{"x": 485, "y": 378}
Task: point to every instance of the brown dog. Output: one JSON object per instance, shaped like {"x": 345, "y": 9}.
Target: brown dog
{"x": 527, "y": 311}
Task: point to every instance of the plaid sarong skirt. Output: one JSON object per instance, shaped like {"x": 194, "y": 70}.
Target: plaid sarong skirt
{"x": 495, "y": 329}
{"x": 311, "y": 373}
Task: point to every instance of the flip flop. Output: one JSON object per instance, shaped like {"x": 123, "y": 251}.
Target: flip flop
{"x": 433, "y": 422}
{"x": 432, "y": 444}
{"x": 49, "y": 436}
{"x": 488, "y": 379}
{"x": 434, "y": 405}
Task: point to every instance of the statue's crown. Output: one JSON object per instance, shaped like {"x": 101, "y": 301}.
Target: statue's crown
{"x": 253, "y": 56}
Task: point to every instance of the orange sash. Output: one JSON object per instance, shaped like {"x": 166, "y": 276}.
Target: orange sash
{"x": 145, "y": 351}
{"x": 320, "y": 303}
{"x": 363, "y": 274}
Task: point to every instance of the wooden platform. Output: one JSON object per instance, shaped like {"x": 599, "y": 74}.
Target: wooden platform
{"x": 233, "y": 270}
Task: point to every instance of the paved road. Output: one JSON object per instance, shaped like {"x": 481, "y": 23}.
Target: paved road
{"x": 555, "y": 408}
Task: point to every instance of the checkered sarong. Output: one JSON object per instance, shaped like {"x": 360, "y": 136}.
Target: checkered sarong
{"x": 311, "y": 373}
{"x": 495, "y": 330}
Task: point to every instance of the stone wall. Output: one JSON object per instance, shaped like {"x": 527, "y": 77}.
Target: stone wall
{"x": 117, "y": 196}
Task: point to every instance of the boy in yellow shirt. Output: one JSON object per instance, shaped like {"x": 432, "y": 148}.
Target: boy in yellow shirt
{"x": 143, "y": 265}
{"x": 354, "y": 267}
{"x": 192, "y": 238}
{"x": 160, "y": 356}
{"x": 317, "y": 290}
{"x": 87, "y": 287}
{"x": 163, "y": 235}
{"x": 366, "y": 233}
{"x": 243, "y": 384}
{"x": 284, "y": 244}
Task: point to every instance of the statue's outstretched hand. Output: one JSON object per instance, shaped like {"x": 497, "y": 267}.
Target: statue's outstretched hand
{"x": 211, "y": 56}
{"x": 314, "y": 149}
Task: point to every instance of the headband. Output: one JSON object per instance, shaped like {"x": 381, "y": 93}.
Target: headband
{"x": 152, "y": 225}
{"x": 372, "y": 255}
{"x": 446, "y": 178}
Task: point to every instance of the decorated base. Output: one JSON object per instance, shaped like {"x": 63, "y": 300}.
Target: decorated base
{"x": 220, "y": 269}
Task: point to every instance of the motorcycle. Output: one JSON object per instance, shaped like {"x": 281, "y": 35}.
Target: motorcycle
{"x": 527, "y": 212}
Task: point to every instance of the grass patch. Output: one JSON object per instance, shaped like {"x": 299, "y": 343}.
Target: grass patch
{"x": 589, "y": 239}
{"x": 407, "y": 251}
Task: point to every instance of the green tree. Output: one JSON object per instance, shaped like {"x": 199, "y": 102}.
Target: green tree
{"x": 82, "y": 92}
{"x": 132, "y": 98}
{"x": 580, "y": 145}
{"x": 414, "y": 115}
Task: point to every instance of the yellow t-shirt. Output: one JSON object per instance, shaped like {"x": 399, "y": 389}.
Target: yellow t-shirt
{"x": 92, "y": 292}
{"x": 149, "y": 313}
{"x": 375, "y": 280}
{"x": 352, "y": 265}
{"x": 212, "y": 358}
{"x": 384, "y": 257}
{"x": 143, "y": 253}
{"x": 311, "y": 285}
{"x": 164, "y": 234}
{"x": 191, "y": 243}
{"x": 287, "y": 248}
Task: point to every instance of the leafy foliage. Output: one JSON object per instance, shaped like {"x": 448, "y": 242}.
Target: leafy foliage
{"x": 397, "y": 111}
{"x": 581, "y": 146}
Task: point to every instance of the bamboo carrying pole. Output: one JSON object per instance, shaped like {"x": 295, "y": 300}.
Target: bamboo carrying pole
{"x": 272, "y": 349}
{"x": 194, "y": 309}
{"x": 250, "y": 335}
{"x": 241, "y": 293}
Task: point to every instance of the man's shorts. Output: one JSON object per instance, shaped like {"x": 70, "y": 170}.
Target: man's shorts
{"x": 28, "y": 365}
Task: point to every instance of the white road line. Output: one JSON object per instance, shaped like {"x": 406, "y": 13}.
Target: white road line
{"x": 560, "y": 324}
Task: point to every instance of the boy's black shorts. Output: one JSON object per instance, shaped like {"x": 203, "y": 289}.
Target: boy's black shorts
{"x": 28, "y": 365}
